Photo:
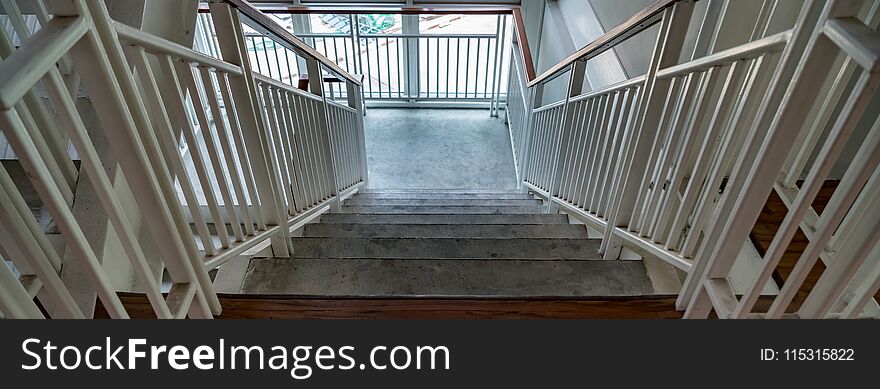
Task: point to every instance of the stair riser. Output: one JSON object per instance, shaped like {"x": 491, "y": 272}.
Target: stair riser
{"x": 392, "y": 248}
{"x": 441, "y": 219}
{"x": 443, "y": 202}
{"x": 446, "y": 231}
{"x": 457, "y": 210}
{"x": 358, "y": 277}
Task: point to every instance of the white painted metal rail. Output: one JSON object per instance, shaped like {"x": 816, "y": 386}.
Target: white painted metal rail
{"x": 219, "y": 159}
{"x": 678, "y": 163}
{"x": 404, "y": 64}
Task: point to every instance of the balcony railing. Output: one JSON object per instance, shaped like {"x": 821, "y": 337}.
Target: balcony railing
{"x": 396, "y": 64}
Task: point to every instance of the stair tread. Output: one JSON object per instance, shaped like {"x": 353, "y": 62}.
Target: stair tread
{"x": 446, "y": 230}
{"x": 446, "y": 248}
{"x": 442, "y": 202}
{"x": 426, "y": 195}
{"x": 433, "y": 218}
{"x": 410, "y": 209}
{"x": 445, "y": 243}
{"x": 439, "y": 191}
{"x": 367, "y": 277}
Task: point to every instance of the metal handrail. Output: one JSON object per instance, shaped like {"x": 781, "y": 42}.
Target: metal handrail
{"x": 266, "y": 25}
{"x": 522, "y": 39}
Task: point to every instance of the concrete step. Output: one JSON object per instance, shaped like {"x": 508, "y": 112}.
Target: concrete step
{"x": 348, "y": 218}
{"x": 495, "y": 277}
{"x": 446, "y": 230}
{"x": 444, "y": 202}
{"x": 458, "y": 210}
{"x": 446, "y": 248}
{"x": 441, "y": 191}
{"x": 426, "y": 195}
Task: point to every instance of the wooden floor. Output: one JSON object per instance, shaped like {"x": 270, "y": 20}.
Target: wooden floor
{"x": 767, "y": 225}
{"x": 764, "y": 231}
{"x": 294, "y": 307}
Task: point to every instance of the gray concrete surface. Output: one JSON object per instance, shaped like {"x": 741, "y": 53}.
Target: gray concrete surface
{"x": 394, "y": 195}
{"x": 445, "y": 209}
{"x": 442, "y": 219}
{"x": 438, "y": 149}
{"x": 356, "y": 200}
{"x": 446, "y": 248}
{"x": 510, "y": 231}
{"x": 230, "y": 275}
{"x": 369, "y": 277}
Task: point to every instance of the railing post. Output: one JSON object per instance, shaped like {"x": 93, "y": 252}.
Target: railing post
{"x": 667, "y": 51}
{"x": 230, "y": 38}
{"x": 355, "y": 100}
{"x": 535, "y": 98}
{"x": 316, "y": 86}
{"x": 411, "y": 26}
{"x": 575, "y": 86}
{"x": 516, "y": 89}
{"x": 496, "y": 77}
{"x": 514, "y": 133}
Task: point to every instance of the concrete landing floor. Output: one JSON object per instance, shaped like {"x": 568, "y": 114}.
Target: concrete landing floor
{"x": 438, "y": 149}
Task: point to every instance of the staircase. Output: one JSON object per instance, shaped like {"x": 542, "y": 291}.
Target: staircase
{"x": 445, "y": 243}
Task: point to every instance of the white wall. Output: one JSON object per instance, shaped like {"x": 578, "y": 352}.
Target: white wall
{"x": 533, "y": 17}
{"x": 607, "y": 14}
{"x": 553, "y": 47}
{"x": 571, "y": 24}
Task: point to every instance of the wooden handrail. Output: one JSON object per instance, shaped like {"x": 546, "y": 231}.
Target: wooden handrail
{"x": 270, "y": 27}
{"x": 639, "y": 22}
{"x": 522, "y": 41}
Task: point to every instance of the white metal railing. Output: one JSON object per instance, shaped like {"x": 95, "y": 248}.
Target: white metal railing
{"x": 395, "y": 65}
{"x": 516, "y": 112}
{"x": 847, "y": 286}
{"x": 449, "y": 66}
{"x": 591, "y": 147}
{"x": 678, "y": 163}
{"x": 90, "y": 43}
{"x": 219, "y": 158}
{"x": 344, "y": 126}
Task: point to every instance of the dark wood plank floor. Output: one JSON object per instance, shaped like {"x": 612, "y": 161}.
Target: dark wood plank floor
{"x": 293, "y": 307}
{"x": 767, "y": 225}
